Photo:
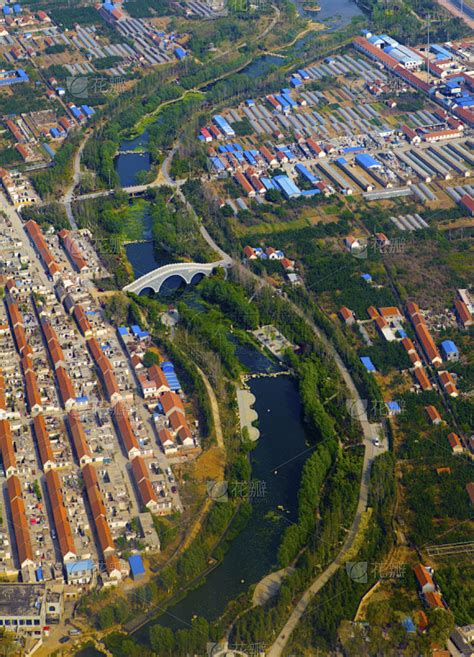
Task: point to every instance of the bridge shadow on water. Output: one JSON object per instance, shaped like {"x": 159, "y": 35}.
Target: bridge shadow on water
{"x": 173, "y": 285}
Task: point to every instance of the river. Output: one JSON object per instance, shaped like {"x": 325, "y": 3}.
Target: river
{"x": 277, "y": 462}
{"x": 128, "y": 165}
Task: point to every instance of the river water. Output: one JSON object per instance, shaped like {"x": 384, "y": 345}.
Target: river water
{"x": 128, "y": 165}
{"x": 277, "y": 462}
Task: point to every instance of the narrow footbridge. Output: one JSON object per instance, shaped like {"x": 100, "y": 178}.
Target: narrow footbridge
{"x": 190, "y": 272}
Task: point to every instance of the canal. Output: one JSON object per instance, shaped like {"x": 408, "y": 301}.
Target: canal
{"x": 277, "y": 462}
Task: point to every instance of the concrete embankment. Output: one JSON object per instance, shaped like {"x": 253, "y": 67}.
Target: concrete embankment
{"x": 245, "y": 400}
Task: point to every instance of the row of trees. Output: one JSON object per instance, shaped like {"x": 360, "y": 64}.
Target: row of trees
{"x": 232, "y": 300}
{"x": 51, "y": 182}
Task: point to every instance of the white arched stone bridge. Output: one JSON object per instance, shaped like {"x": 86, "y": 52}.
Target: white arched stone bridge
{"x": 185, "y": 270}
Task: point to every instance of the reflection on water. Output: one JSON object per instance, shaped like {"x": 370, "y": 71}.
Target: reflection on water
{"x": 128, "y": 165}
{"x": 261, "y": 65}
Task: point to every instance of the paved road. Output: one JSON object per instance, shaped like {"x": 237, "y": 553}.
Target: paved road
{"x": 76, "y": 176}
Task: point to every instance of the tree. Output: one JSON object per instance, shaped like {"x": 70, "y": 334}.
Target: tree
{"x": 441, "y": 625}
{"x": 151, "y": 358}
{"x": 116, "y": 309}
{"x": 105, "y": 618}
{"x": 121, "y": 611}
{"x": 162, "y": 640}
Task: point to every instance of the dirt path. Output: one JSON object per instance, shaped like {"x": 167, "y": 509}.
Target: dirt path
{"x": 214, "y": 407}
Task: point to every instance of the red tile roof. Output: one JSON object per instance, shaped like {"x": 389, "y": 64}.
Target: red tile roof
{"x": 6, "y": 446}
{"x": 124, "y": 427}
{"x": 42, "y": 440}
{"x": 78, "y": 436}
{"x": 170, "y": 401}
{"x": 19, "y": 524}
{"x": 422, "y": 379}
{"x": 463, "y": 313}
{"x": 61, "y": 520}
{"x": 66, "y": 389}
{"x": 454, "y": 441}
{"x": 433, "y": 413}
{"x": 423, "y": 576}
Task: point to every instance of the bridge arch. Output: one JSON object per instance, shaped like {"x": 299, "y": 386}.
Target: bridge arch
{"x": 146, "y": 291}
{"x": 190, "y": 272}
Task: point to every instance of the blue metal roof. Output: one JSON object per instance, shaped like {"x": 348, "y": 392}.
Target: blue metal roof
{"x": 409, "y": 625}
{"x": 173, "y": 381}
{"x": 394, "y": 406}
{"x": 136, "y": 565}
{"x": 290, "y": 100}
{"x": 284, "y": 103}
{"x": 366, "y": 277}
{"x": 267, "y": 183}
{"x": 76, "y": 566}
{"x": 122, "y": 330}
{"x": 287, "y": 186}
{"x": 217, "y": 163}
{"x": 88, "y": 111}
{"x": 368, "y": 364}
{"x": 367, "y": 161}
{"x": 439, "y": 50}
{"x": 449, "y": 347}
{"x": 300, "y": 168}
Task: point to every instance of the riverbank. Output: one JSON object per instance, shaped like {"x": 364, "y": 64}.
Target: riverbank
{"x": 276, "y": 471}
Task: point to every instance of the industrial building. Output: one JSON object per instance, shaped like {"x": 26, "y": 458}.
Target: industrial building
{"x": 8, "y": 78}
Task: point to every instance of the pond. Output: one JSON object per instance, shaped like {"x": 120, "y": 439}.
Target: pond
{"x": 261, "y": 65}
